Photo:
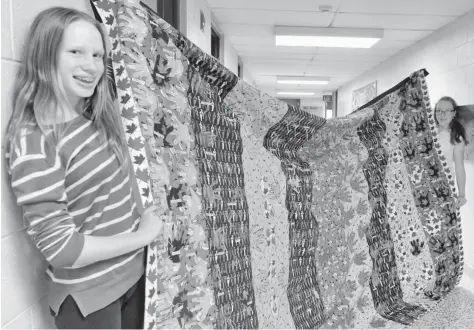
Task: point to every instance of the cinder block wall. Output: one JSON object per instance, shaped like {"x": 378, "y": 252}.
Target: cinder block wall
{"x": 447, "y": 54}
{"x": 24, "y": 304}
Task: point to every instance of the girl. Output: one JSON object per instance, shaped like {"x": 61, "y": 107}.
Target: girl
{"x": 453, "y": 138}
{"x": 454, "y": 132}
{"x": 70, "y": 173}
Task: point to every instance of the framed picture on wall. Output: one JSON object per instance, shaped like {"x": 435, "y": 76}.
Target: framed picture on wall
{"x": 363, "y": 95}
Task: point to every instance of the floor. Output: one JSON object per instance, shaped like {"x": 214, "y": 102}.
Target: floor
{"x": 456, "y": 311}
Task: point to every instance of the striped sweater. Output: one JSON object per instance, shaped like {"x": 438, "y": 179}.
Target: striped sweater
{"x": 66, "y": 192}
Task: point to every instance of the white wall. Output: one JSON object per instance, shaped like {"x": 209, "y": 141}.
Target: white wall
{"x": 229, "y": 58}
{"x": 247, "y": 75}
{"x": 447, "y": 54}
{"x": 150, "y": 3}
{"x": 192, "y": 9}
{"x": 23, "y": 286}
{"x": 314, "y": 102}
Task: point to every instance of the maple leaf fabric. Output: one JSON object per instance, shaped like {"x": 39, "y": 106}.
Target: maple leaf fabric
{"x": 277, "y": 218}
{"x": 135, "y": 143}
{"x": 139, "y": 159}
{"x": 130, "y": 129}
{"x": 129, "y": 114}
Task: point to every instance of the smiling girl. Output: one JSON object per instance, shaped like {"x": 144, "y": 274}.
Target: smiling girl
{"x": 70, "y": 174}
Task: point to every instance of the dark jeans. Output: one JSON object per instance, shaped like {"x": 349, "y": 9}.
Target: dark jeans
{"x": 127, "y": 312}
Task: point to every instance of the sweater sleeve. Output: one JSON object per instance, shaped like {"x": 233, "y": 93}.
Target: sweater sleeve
{"x": 37, "y": 180}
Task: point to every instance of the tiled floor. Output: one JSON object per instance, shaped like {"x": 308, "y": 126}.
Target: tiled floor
{"x": 456, "y": 311}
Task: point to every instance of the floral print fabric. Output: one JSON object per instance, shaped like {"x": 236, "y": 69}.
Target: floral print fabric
{"x": 277, "y": 218}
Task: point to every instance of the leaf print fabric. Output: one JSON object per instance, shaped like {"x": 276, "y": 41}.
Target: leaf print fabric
{"x": 277, "y": 218}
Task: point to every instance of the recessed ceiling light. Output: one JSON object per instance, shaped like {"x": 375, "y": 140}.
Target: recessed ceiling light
{"x": 302, "y": 82}
{"x": 295, "y": 80}
{"x": 296, "y": 93}
{"x": 326, "y": 37}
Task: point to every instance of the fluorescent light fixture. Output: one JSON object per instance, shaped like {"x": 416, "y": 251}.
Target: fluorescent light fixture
{"x": 296, "y": 93}
{"x": 326, "y": 37}
{"x": 302, "y": 80}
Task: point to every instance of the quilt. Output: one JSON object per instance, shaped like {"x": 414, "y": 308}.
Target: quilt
{"x": 278, "y": 218}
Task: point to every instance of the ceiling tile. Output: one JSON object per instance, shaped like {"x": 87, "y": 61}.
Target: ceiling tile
{"x": 274, "y": 49}
{"x": 277, "y": 69}
{"x": 255, "y": 30}
{"x": 247, "y": 40}
{"x": 405, "y": 34}
{"x": 248, "y": 26}
{"x": 386, "y": 21}
{"x": 408, "y": 7}
{"x": 255, "y": 56}
{"x": 393, "y": 44}
{"x": 271, "y": 17}
{"x": 302, "y": 5}
{"x": 315, "y": 64}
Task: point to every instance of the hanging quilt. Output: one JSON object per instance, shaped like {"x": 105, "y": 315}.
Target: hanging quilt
{"x": 278, "y": 218}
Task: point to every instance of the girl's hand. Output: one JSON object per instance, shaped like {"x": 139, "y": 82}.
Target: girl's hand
{"x": 151, "y": 223}
{"x": 461, "y": 201}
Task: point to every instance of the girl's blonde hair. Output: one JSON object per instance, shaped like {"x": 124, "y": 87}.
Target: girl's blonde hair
{"x": 37, "y": 92}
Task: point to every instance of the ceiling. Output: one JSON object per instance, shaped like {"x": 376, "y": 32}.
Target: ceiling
{"x": 249, "y": 26}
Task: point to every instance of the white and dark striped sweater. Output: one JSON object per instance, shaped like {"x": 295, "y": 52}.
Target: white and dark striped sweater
{"x": 70, "y": 191}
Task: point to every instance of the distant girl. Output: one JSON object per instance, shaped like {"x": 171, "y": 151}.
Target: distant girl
{"x": 70, "y": 173}
{"x": 453, "y": 139}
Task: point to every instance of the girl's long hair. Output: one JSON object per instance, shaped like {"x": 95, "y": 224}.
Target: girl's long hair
{"x": 456, "y": 128}
{"x": 37, "y": 93}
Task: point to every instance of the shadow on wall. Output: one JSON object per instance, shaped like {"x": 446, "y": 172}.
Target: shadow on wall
{"x": 467, "y": 114}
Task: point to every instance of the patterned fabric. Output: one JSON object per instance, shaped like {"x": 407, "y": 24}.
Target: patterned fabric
{"x": 278, "y": 218}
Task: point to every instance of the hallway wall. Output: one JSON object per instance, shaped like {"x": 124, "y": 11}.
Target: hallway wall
{"x": 191, "y": 9}
{"x": 24, "y": 304}
{"x": 447, "y": 54}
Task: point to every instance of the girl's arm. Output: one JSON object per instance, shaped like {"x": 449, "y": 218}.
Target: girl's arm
{"x": 37, "y": 180}
{"x": 460, "y": 171}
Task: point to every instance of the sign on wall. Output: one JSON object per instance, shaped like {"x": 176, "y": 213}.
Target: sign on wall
{"x": 364, "y": 94}
{"x": 328, "y": 102}
{"x": 327, "y": 98}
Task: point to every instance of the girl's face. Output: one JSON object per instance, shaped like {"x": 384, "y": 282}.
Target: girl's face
{"x": 80, "y": 61}
{"x": 444, "y": 113}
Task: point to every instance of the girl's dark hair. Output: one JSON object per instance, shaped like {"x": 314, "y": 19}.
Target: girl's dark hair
{"x": 456, "y": 128}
